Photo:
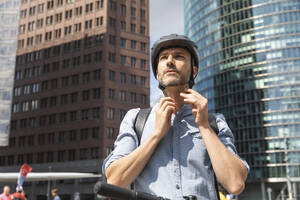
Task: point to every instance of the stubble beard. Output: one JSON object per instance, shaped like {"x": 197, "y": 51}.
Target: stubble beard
{"x": 172, "y": 81}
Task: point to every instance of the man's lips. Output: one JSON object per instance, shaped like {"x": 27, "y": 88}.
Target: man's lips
{"x": 171, "y": 72}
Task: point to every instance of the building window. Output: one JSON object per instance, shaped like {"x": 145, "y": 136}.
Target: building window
{"x": 133, "y": 44}
{"x": 32, "y": 10}
{"x": 34, "y": 105}
{"x": 132, "y": 11}
{"x": 143, "y": 64}
{"x": 58, "y": 17}
{"x": 122, "y": 114}
{"x": 97, "y": 93}
{"x": 96, "y": 113}
{"x": 72, "y": 135}
{"x": 84, "y": 134}
{"x": 95, "y": 132}
{"x": 23, "y": 13}
{"x": 143, "y": 99}
{"x": 97, "y": 74}
{"x": 110, "y": 113}
{"x": 88, "y": 24}
{"x": 123, "y": 96}
{"x": 112, "y": 39}
{"x": 64, "y": 99}
{"x": 77, "y": 27}
{"x": 111, "y": 93}
{"x": 123, "y": 42}
{"x": 89, "y": 7}
{"x": 68, "y": 30}
{"x": 86, "y": 77}
{"x": 85, "y": 95}
{"x": 74, "y": 97}
{"x": 61, "y": 156}
{"x": 49, "y": 20}
{"x": 99, "y": 4}
{"x": 112, "y": 57}
{"x": 50, "y": 4}
{"x": 111, "y": 75}
{"x": 143, "y": 14}
{"x": 85, "y": 114}
{"x": 132, "y": 28}
{"x": 68, "y": 14}
{"x": 83, "y": 154}
{"x": 112, "y": 22}
{"x": 40, "y": 8}
{"x": 142, "y": 30}
{"x": 95, "y": 152}
{"x": 110, "y": 132}
{"x": 78, "y": 11}
{"x": 133, "y": 62}
{"x": 123, "y": 60}
{"x": 57, "y": 33}
{"x": 98, "y": 56}
{"x": 62, "y": 137}
{"x": 75, "y": 79}
{"x": 52, "y": 119}
{"x": 73, "y": 116}
{"x": 99, "y": 21}
{"x": 71, "y": 155}
{"x": 123, "y": 26}
{"x": 133, "y": 97}
{"x": 143, "y": 81}
{"x": 112, "y": 5}
{"x": 143, "y": 46}
{"x": 123, "y": 10}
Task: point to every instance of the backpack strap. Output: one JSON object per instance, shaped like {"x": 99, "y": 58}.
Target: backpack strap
{"x": 140, "y": 122}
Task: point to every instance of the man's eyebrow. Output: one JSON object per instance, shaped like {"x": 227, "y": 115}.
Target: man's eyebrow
{"x": 176, "y": 53}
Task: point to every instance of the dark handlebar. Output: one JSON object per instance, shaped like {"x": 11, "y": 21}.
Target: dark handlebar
{"x": 113, "y": 191}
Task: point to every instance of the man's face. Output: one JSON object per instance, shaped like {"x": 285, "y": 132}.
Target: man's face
{"x": 174, "y": 67}
{"x": 6, "y": 190}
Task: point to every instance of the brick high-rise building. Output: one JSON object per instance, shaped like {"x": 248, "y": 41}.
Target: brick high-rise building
{"x": 80, "y": 65}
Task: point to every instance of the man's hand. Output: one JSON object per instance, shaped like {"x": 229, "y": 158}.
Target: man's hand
{"x": 164, "y": 111}
{"x": 198, "y": 104}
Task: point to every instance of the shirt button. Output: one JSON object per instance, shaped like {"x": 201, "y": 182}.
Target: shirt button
{"x": 177, "y": 187}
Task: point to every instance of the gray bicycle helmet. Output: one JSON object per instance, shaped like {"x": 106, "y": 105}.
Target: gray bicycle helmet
{"x": 173, "y": 41}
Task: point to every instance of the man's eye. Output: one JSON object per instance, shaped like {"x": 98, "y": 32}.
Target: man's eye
{"x": 179, "y": 57}
{"x": 163, "y": 57}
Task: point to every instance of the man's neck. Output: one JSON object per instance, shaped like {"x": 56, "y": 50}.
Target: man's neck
{"x": 174, "y": 93}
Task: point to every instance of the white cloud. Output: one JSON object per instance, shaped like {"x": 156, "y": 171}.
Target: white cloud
{"x": 166, "y": 17}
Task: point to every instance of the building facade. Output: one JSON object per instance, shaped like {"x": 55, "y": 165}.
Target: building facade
{"x": 8, "y": 40}
{"x": 80, "y": 65}
{"x": 249, "y": 71}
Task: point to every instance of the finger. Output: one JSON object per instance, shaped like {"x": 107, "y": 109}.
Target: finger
{"x": 167, "y": 104}
{"x": 164, "y": 99}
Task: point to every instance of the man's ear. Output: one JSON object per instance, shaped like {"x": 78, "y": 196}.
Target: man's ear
{"x": 195, "y": 71}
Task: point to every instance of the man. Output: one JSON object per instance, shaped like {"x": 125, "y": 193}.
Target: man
{"x": 19, "y": 194}
{"x": 179, "y": 152}
{"x": 5, "y": 195}
{"x": 55, "y": 194}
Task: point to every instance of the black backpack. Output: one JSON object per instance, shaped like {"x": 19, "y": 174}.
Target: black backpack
{"x": 142, "y": 117}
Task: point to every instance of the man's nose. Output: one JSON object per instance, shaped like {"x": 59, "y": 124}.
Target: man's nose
{"x": 170, "y": 60}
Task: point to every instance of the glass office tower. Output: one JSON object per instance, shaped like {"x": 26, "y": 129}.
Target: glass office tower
{"x": 249, "y": 71}
{"x": 9, "y": 10}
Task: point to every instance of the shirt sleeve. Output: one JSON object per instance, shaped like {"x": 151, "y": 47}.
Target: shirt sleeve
{"x": 126, "y": 141}
{"x": 227, "y": 138}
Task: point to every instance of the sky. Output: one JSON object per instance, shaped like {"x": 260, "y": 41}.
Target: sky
{"x": 166, "y": 17}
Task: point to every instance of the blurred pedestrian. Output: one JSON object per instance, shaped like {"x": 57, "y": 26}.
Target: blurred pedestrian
{"x": 6, "y": 193}
{"x": 55, "y": 194}
{"x": 19, "y": 194}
